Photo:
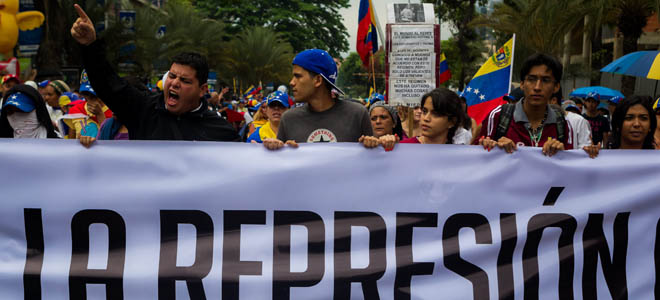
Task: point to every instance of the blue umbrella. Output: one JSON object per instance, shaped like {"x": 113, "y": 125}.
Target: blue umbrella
{"x": 640, "y": 64}
{"x": 605, "y": 93}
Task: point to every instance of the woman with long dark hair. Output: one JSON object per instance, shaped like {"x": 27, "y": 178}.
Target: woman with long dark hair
{"x": 633, "y": 124}
{"x": 442, "y": 119}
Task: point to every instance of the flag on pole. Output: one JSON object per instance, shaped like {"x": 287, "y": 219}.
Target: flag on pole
{"x": 249, "y": 91}
{"x": 445, "y": 74}
{"x": 367, "y": 35}
{"x": 491, "y": 83}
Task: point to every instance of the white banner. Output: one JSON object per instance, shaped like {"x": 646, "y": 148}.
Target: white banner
{"x": 199, "y": 220}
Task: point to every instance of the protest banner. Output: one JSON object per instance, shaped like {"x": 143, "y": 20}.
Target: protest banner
{"x": 179, "y": 220}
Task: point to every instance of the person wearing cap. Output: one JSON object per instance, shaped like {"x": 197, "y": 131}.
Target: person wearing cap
{"x": 93, "y": 109}
{"x": 24, "y": 115}
{"x": 276, "y": 105}
{"x": 600, "y": 126}
{"x": 260, "y": 117}
{"x": 8, "y": 82}
{"x": 241, "y": 106}
{"x": 177, "y": 113}
{"x": 322, "y": 118}
{"x": 531, "y": 122}
{"x": 611, "y": 104}
{"x": 579, "y": 102}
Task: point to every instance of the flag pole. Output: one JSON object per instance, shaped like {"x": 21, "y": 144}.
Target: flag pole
{"x": 513, "y": 51}
{"x": 373, "y": 71}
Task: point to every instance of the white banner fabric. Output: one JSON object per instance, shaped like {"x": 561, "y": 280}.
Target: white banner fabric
{"x": 419, "y": 222}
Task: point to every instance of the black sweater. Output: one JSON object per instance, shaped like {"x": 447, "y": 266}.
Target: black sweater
{"x": 144, "y": 113}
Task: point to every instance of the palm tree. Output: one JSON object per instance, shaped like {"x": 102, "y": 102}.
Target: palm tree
{"x": 186, "y": 30}
{"x": 629, "y": 16}
{"x": 257, "y": 54}
{"x": 539, "y": 25}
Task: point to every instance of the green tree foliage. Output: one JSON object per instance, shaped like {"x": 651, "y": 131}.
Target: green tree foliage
{"x": 539, "y": 25}
{"x": 457, "y": 65}
{"x": 355, "y": 80}
{"x": 186, "y": 30}
{"x": 257, "y": 55}
{"x": 459, "y": 13}
{"x": 303, "y": 23}
{"x": 57, "y": 46}
{"x": 629, "y": 16}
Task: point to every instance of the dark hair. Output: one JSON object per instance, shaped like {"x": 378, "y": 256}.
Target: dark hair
{"x": 467, "y": 120}
{"x": 43, "y": 117}
{"x": 620, "y": 114}
{"x": 446, "y": 103}
{"x": 325, "y": 82}
{"x": 539, "y": 59}
{"x": 195, "y": 61}
{"x": 558, "y": 95}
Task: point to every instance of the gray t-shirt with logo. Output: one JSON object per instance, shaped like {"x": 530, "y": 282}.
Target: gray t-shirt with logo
{"x": 346, "y": 121}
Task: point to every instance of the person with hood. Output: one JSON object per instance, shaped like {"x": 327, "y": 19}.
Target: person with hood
{"x": 24, "y": 115}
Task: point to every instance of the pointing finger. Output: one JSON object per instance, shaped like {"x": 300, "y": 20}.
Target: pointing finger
{"x": 81, "y": 12}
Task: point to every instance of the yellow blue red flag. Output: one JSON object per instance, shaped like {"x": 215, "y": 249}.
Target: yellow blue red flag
{"x": 367, "y": 35}
{"x": 249, "y": 91}
{"x": 491, "y": 83}
{"x": 445, "y": 73}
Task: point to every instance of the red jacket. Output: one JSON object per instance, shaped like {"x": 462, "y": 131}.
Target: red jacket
{"x": 518, "y": 132}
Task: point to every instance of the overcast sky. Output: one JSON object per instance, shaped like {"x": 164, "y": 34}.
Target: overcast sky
{"x": 351, "y": 15}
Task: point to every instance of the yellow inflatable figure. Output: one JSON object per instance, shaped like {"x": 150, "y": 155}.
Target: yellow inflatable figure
{"x": 11, "y": 21}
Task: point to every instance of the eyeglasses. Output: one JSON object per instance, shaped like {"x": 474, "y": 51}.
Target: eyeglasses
{"x": 544, "y": 79}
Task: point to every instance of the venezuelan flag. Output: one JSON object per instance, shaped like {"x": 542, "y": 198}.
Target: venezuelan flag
{"x": 367, "y": 35}
{"x": 249, "y": 91}
{"x": 491, "y": 83}
{"x": 445, "y": 74}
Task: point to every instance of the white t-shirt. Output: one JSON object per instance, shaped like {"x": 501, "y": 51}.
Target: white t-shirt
{"x": 462, "y": 136}
{"x": 581, "y": 130}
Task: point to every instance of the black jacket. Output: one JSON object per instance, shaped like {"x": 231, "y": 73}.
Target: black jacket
{"x": 144, "y": 113}
{"x": 39, "y": 105}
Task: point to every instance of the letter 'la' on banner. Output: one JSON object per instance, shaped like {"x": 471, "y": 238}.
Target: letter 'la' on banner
{"x": 491, "y": 83}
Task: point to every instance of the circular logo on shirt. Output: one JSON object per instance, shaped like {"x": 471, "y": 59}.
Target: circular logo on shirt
{"x": 322, "y": 136}
{"x": 520, "y": 144}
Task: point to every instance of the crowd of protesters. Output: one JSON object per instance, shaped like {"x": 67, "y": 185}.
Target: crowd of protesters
{"x": 108, "y": 107}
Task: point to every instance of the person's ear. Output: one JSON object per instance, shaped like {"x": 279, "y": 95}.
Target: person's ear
{"x": 203, "y": 89}
{"x": 452, "y": 122}
{"x": 557, "y": 87}
{"x": 318, "y": 81}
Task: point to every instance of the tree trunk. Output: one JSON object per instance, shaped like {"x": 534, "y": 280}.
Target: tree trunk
{"x": 597, "y": 62}
{"x": 629, "y": 46}
{"x": 586, "y": 45}
{"x": 566, "y": 59}
{"x": 50, "y": 53}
